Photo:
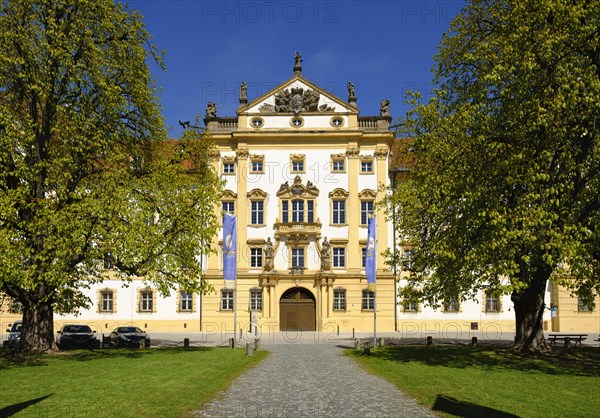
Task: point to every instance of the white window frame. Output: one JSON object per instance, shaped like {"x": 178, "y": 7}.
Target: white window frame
{"x": 227, "y": 300}
{"x": 146, "y": 301}
{"x": 339, "y": 257}
{"x": 256, "y": 299}
{"x": 186, "y": 301}
{"x": 256, "y": 257}
{"x": 107, "y": 300}
{"x": 365, "y": 211}
{"x": 368, "y": 300}
{"x": 298, "y": 254}
{"x": 257, "y": 212}
{"x": 338, "y": 215}
{"x": 339, "y": 299}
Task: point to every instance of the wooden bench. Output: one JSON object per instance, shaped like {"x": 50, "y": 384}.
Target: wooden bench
{"x": 575, "y": 338}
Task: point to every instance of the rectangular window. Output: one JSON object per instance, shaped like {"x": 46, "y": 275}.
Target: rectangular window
{"x": 363, "y": 251}
{"x": 285, "y": 211}
{"x": 366, "y": 209}
{"x": 256, "y": 166}
{"x": 339, "y": 299}
{"x": 297, "y": 210}
{"x": 151, "y": 218}
{"x": 491, "y": 302}
{"x": 227, "y": 300}
{"x": 228, "y": 168}
{"x": 310, "y": 211}
{"x": 339, "y": 257}
{"x": 407, "y": 259}
{"x": 107, "y": 301}
{"x": 256, "y": 257}
{"x": 451, "y": 305}
{"x": 366, "y": 166}
{"x": 297, "y": 166}
{"x": 146, "y": 301}
{"x": 339, "y": 212}
{"x": 411, "y": 306}
{"x": 368, "y": 300}
{"x": 228, "y": 207}
{"x": 337, "y": 166}
{"x": 297, "y": 257}
{"x": 107, "y": 262}
{"x": 256, "y": 299}
{"x": 582, "y": 306}
{"x": 257, "y": 214}
{"x": 186, "y": 302}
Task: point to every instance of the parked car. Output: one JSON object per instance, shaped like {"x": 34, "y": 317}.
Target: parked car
{"x": 129, "y": 337}
{"x": 75, "y": 336}
{"x": 14, "y": 336}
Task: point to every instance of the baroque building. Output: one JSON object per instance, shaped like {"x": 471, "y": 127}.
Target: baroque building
{"x": 303, "y": 171}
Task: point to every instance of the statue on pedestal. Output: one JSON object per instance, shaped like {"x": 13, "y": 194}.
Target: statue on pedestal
{"x": 269, "y": 253}
{"x": 325, "y": 255}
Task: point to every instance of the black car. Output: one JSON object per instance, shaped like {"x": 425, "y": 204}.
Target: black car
{"x": 129, "y": 337}
{"x": 14, "y": 336}
{"x": 76, "y": 336}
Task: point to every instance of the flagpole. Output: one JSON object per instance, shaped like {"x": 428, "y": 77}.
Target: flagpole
{"x": 375, "y": 292}
{"x": 371, "y": 269}
{"x": 235, "y": 315}
{"x": 230, "y": 263}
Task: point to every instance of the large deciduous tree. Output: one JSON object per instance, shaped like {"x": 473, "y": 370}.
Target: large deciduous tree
{"x": 86, "y": 170}
{"x": 505, "y": 191}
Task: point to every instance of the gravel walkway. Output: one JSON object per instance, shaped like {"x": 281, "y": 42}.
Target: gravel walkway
{"x": 310, "y": 380}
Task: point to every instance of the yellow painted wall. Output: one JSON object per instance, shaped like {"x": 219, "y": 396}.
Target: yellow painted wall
{"x": 568, "y": 318}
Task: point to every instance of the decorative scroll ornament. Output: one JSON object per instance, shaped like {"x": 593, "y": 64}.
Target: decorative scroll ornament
{"x": 298, "y": 189}
{"x": 295, "y": 100}
{"x": 242, "y": 152}
{"x": 352, "y": 152}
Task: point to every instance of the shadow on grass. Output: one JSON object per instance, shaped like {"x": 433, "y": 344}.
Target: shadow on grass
{"x": 584, "y": 362}
{"x": 18, "y": 359}
{"x": 11, "y": 410}
{"x": 467, "y": 409}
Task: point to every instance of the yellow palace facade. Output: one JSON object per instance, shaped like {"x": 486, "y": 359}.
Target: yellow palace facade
{"x": 303, "y": 171}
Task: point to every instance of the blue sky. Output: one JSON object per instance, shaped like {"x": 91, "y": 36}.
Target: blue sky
{"x": 384, "y": 47}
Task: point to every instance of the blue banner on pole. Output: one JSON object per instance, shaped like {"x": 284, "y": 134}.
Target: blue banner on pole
{"x": 370, "y": 255}
{"x": 229, "y": 246}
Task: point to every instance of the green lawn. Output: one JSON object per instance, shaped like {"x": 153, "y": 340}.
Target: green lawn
{"x": 118, "y": 382}
{"x": 460, "y": 381}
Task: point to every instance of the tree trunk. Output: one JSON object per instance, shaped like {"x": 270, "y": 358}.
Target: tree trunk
{"x": 529, "y": 308}
{"x": 37, "y": 334}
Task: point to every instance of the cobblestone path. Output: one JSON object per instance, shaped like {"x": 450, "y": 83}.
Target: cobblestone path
{"x": 310, "y": 380}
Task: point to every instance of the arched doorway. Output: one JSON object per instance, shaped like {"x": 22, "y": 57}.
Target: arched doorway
{"x": 297, "y": 310}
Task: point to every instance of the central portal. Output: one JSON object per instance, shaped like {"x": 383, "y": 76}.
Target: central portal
{"x": 297, "y": 310}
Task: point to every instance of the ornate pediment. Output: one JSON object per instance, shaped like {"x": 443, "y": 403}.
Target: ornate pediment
{"x": 256, "y": 194}
{"x": 298, "y": 189}
{"x": 228, "y": 195}
{"x": 339, "y": 194}
{"x": 367, "y": 194}
{"x": 295, "y": 100}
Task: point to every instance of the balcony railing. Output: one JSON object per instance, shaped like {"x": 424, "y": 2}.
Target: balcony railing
{"x": 293, "y": 228}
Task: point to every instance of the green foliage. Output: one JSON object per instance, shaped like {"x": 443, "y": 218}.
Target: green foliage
{"x": 506, "y": 182}
{"x": 86, "y": 170}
